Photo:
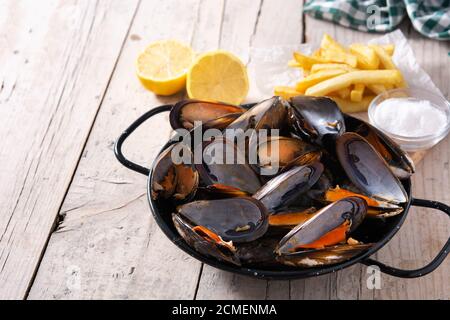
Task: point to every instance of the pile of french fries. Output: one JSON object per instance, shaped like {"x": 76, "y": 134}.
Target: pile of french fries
{"x": 351, "y": 76}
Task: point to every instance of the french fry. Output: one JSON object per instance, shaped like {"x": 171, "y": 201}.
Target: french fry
{"x": 294, "y": 64}
{"x": 377, "y": 88}
{"x": 332, "y": 51}
{"x": 386, "y": 62}
{"x": 389, "y": 48}
{"x": 350, "y": 106}
{"x": 286, "y": 92}
{"x": 344, "y": 93}
{"x": 317, "y": 77}
{"x": 367, "y": 57}
{"x": 347, "y": 79}
{"x": 316, "y": 53}
{"x": 385, "y": 58}
{"x": 332, "y": 55}
{"x": 305, "y": 61}
{"x": 327, "y": 66}
{"x": 329, "y": 43}
{"x": 357, "y": 93}
{"x": 352, "y": 76}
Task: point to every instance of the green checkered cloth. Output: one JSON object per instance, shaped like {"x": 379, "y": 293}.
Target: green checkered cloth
{"x": 430, "y": 17}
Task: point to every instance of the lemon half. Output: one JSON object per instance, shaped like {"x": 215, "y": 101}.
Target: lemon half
{"x": 217, "y": 76}
{"x": 163, "y": 65}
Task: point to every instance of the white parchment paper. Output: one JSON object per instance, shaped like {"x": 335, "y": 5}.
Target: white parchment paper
{"x": 268, "y": 66}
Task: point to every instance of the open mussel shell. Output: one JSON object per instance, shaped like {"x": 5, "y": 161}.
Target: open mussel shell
{"x": 348, "y": 212}
{"x": 239, "y": 219}
{"x": 321, "y": 257}
{"x": 377, "y": 208}
{"x": 268, "y": 114}
{"x": 221, "y": 122}
{"x": 205, "y": 241}
{"x": 186, "y": 112}
{"x": 398, "y": 160}
{"x": 223, "y": 163}
{"x": 290, "y": 219}
{"x": 317, "y": 119}
{"x": 367, "y": 170}
{"x": 177, "y": 181}
{"x": 283, "y": 189}
{"x": 276, "y": 152}
{"x": 307, "y": 158}
{"x": 219, "y": 191}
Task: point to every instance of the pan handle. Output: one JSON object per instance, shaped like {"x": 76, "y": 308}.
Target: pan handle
{"x": 440, "y": 257}
{"x": 119, "y": 142}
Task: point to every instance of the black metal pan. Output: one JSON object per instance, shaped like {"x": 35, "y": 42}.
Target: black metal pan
{"x": 379, "y": 232}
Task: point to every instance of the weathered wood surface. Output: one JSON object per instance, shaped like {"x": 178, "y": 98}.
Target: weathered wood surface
{"x": 106, "y": 244}
{"x": 57, "y": 58}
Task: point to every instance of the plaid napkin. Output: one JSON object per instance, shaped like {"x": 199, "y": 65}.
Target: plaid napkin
{"x": 430, "y": 17}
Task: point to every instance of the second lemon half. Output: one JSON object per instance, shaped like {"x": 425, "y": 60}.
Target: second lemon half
{"x": 218, "y": 76}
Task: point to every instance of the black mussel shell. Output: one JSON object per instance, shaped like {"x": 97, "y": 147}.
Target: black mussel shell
{"x": 289, "y": 149}
{"x": 219, "y": 191}
{"x": 397, "y": 159}
{"x": 316, "y": 118}
{"x": 177, "y": 181}
{"x": 239, "y": 219}
{"x": 321, "y": 257}
{"x": 351, "y": 209}
{"x": 186, "y": 112}
{"x": 223, "y": 163}
{"x": 367, "y": 170}
{"x": 204, "y": 244}
{"x": 283, "y": 190}
{"x": 268, "y": 114}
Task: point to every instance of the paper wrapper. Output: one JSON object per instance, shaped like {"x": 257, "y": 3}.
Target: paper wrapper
{"x": 268, "y": 66}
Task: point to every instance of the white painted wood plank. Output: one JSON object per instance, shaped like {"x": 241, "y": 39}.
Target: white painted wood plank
{"x": 57, "y": 58}
{"x": 108, "y": 234}
{"x": 249, "y": 24}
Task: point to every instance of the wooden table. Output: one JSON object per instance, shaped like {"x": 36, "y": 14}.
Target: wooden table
{"x": 75, "y": 224}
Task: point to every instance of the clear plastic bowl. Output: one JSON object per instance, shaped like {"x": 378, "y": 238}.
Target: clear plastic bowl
{"x": 413, "y": 143}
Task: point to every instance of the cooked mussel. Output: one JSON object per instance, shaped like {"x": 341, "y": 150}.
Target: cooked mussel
{"x": 376, "y": 208}
{"x": 277, "y": 152}
{"x": 186, "y": 112}
{"x": 223, "y": 163}
{"x": 178, "y": 181}
{"x": 205, "y": 241}
{"x": 317, "y": 119}
{"x": 398, "y": 160}
{"x": 219, "y": 191}
{"x": 291, "y": 218}
{"x": 321, "y": 257}
{"x": 268, "y": 114}
{"x": 330, "y": 225}
{"x": 367, "y": 170}
{"x": 283, "y": 189}
{"x": 239, "y": 219}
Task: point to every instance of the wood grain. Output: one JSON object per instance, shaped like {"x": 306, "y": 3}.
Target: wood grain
{"x": 108, "y": 234}
{"x": 57, "y": 59}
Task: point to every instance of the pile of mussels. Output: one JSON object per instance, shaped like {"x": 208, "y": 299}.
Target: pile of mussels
{"x": 335, "y": 171}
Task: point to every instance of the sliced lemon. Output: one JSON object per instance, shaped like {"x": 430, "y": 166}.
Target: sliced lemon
{"x": 163, "y": 65}
{"x": 217, "y": 76}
